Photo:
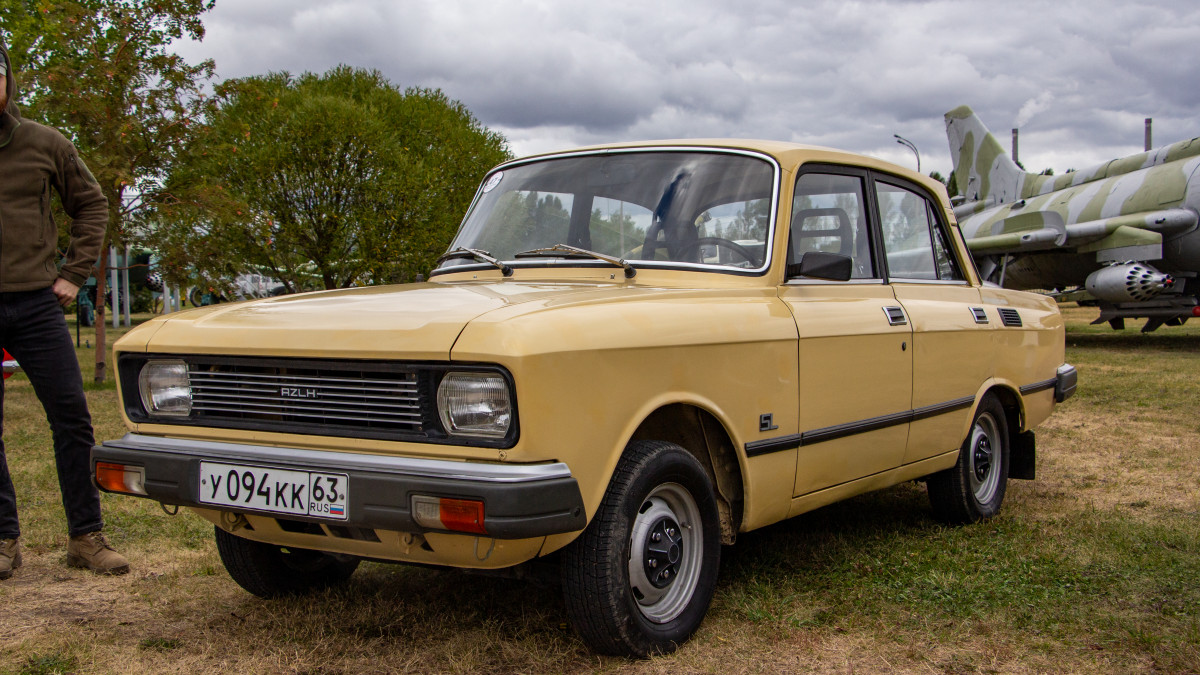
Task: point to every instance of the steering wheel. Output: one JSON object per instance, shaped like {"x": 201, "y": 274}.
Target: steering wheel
{"x": 719, "y": 242}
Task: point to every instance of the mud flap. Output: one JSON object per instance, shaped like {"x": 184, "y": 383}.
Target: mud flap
{"x": 1022, "y": 457}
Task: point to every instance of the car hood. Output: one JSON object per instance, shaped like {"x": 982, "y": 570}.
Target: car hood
{"x": 420, "y": 321}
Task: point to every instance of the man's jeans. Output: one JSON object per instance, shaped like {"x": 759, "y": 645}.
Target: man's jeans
{"x": 33, "y": 330}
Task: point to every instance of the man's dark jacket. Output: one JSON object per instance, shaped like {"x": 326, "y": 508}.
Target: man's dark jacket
{"x": 33, "y": 160}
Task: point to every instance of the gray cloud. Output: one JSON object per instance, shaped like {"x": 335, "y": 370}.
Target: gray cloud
{"x": 1078, "y": 76}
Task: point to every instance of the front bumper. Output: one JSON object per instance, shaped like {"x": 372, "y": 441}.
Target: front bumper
{"x": 520, "y": 500}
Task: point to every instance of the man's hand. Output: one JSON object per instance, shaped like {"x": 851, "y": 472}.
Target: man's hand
{"x": 65, "y": 290}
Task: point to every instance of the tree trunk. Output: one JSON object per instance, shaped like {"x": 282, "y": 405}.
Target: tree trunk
{"x": 101, "y": 351}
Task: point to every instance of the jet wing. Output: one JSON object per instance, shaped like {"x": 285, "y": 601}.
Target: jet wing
{"x": 1024, "y": 232}
{"x": 1045, "y": 230}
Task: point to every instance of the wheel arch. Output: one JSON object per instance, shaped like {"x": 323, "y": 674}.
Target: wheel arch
{"x": 1022, "y": 449}
{"x": 1014, "y": 406}
{"x": 705, "y": 437}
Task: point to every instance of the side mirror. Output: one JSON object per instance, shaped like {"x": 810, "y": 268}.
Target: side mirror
{"x": 819, "y": 265}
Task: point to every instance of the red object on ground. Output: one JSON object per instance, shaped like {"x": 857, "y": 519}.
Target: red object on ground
{"x": 10, "y": 365}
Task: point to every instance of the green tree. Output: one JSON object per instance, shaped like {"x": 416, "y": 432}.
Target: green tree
{"x": 751, "y": 222}
{"x": 950, "y": 183}
{"x": 615, "y": 233}
{"x": 100, "y": 71}
{"x": 330, "y": 180}
{"x": 522, "y": 220}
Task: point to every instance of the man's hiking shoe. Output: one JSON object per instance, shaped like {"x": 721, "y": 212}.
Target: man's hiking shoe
{"x": 93, "y": 551}
{"x": 10, "y": 557}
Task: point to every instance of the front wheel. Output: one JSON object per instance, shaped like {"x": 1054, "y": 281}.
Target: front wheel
{"x": 639, "y": 580}
{"x": 974, "y": 488}
{"x": 270, "y": 571}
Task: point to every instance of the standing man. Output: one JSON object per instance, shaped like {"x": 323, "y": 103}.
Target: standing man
{"x": 33, "y": 160}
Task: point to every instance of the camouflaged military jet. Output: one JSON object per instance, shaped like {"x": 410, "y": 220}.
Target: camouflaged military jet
{"x": 1125, "y": 231}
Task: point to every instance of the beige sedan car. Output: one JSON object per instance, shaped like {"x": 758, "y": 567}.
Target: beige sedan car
{"x": 629, "y": 355}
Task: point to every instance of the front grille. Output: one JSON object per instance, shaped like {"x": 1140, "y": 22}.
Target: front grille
{"x": 385, "y": 400}
{"x": 288, "y": 395}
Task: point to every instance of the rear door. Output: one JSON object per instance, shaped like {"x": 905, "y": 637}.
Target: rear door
{"x": 952, "y": 333}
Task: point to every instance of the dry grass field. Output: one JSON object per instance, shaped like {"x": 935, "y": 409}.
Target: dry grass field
{"x": 1092, "y": 568}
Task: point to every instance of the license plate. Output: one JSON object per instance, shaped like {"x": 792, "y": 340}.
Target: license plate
{"x": 305, "y": 493}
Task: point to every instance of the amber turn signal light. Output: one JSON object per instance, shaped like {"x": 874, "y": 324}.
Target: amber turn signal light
{"x": 120, "y": 478}
{"x": 456, "y": 515}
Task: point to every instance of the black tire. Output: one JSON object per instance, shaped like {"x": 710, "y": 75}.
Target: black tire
{"x": 974, "y": 488}
{"x": 639, "y": 580}
{"x": 270, "y": 571}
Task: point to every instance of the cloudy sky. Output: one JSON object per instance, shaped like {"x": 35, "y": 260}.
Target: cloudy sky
{"x": 1078, "y": 77}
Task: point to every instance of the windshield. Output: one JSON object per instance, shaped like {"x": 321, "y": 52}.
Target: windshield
{"x": 659, "y": 208}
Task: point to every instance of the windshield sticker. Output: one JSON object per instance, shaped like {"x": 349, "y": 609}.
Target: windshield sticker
{"x": 493, "y": 182}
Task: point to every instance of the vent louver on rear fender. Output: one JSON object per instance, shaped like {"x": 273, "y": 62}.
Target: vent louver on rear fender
{"x": 1010, "y": 317}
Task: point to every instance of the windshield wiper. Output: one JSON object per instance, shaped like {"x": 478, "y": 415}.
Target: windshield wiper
{"x": 565, "y": 251}
{"x": 476, "y": 254}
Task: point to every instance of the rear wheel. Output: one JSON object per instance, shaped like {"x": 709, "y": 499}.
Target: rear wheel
{"x": 974, "y": 488}
{"x": 639, "y": 580}
{"x": 270, "y": 571}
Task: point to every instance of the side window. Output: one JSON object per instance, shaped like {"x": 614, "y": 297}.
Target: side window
{"x": 906, "y": 223}
{"x": 829, "y": 215}
{"x": 943, "y": 254}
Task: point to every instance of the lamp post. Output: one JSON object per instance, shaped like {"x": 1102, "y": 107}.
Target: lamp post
{"x": 909, "y": 144}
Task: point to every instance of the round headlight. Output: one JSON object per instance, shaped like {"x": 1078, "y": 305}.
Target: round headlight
{"x": 475, "y": 404}
{"x": 166, "y": 388}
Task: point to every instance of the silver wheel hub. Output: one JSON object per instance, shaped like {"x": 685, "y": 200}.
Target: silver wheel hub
{"x": 985, "y": 469}
{"x": 665, "y": 553}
